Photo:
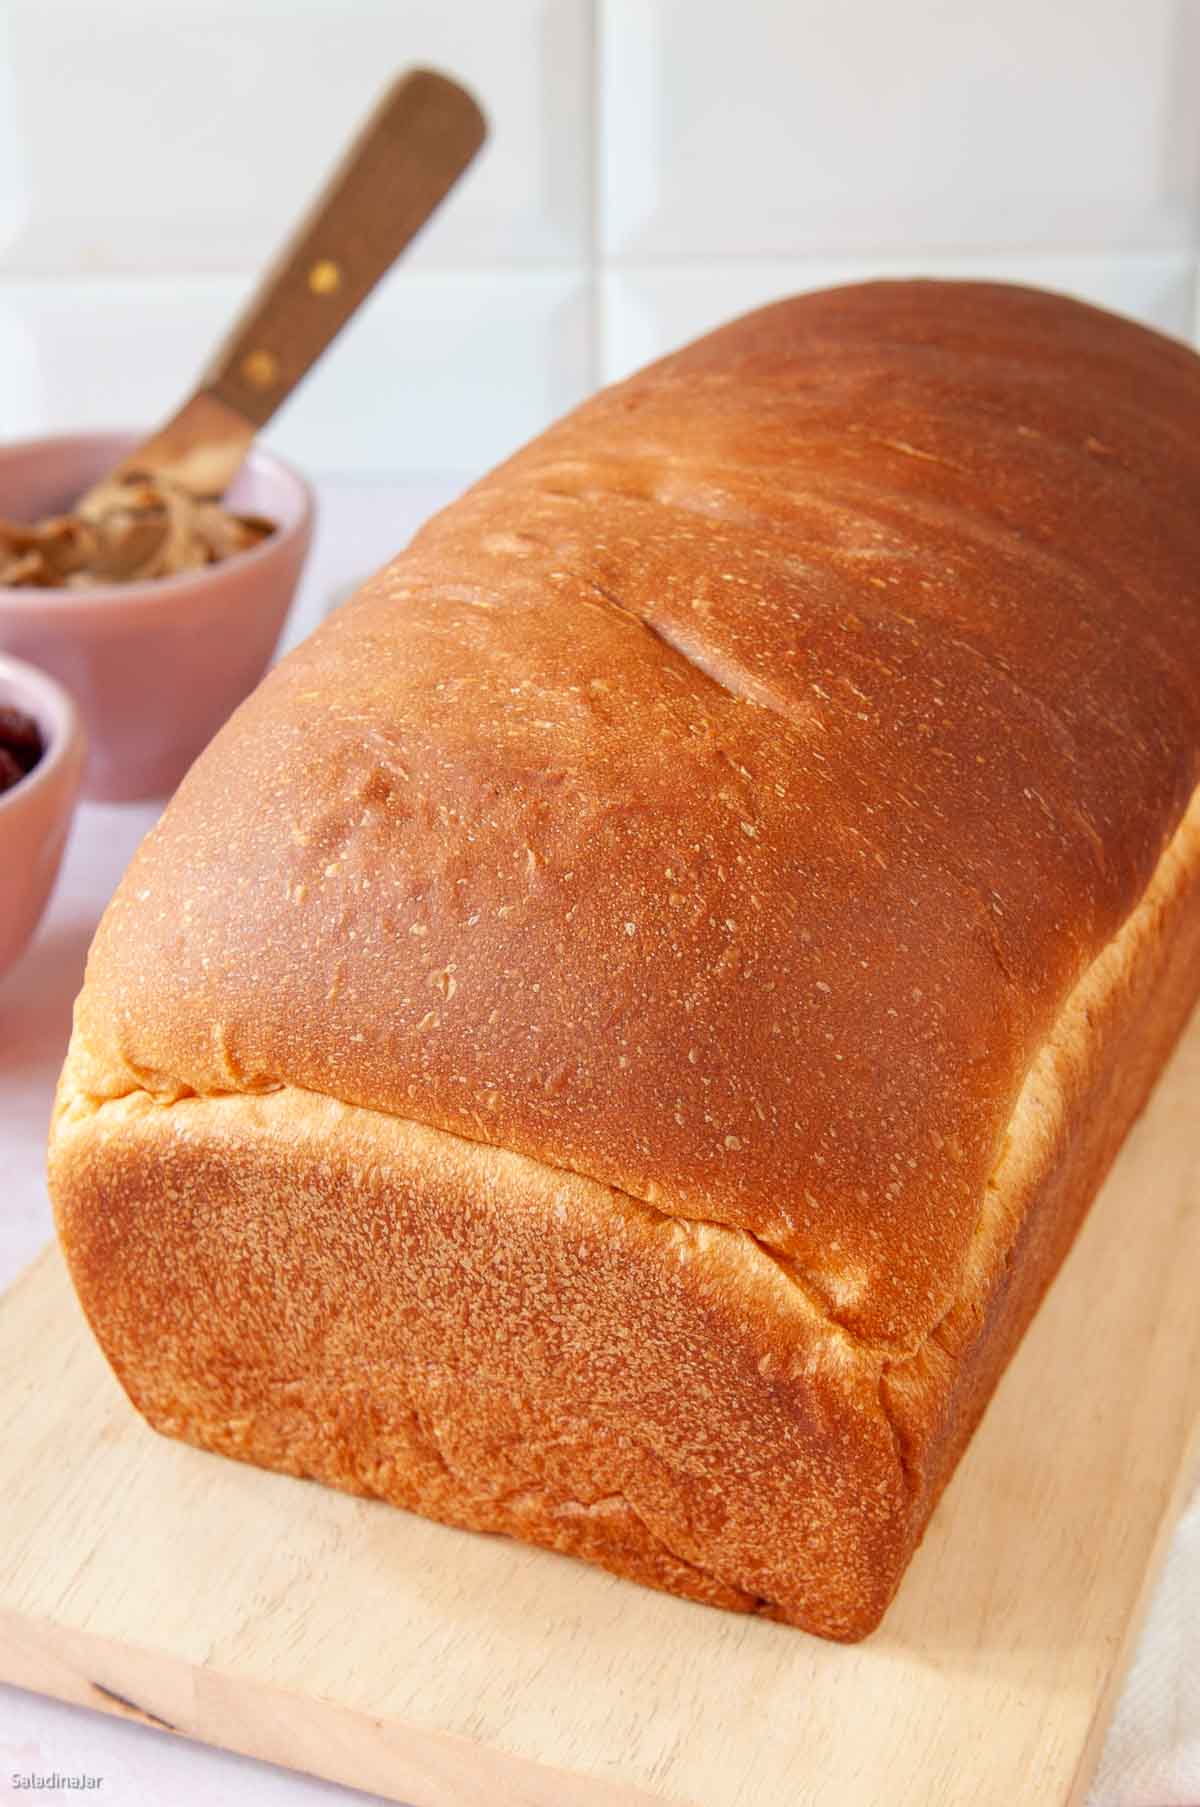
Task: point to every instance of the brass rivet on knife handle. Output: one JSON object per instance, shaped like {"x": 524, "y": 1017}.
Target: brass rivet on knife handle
{"x": 411, "y": 151}
{"x": 260, "y": 369}
{"x": 324, "y": 277}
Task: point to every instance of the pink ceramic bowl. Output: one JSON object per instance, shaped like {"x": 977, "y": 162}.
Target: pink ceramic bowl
{"x": 36, "y": 813}
{"x": 156, "y": 667}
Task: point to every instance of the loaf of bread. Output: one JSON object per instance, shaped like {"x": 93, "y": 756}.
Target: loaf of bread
{"x": 613, "y": 1040}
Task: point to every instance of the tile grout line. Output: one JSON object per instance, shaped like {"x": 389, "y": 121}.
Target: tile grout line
{"x": 668, "y": 262}
{"x": 597, "y": 322}
{"x": 595, "y": 263}
{"x": 567, "y": 265}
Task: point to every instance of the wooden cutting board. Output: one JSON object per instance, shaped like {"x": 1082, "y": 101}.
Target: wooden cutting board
{"x": 448, "y": 1670}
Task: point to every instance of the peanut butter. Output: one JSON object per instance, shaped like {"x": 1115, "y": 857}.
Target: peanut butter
{"x": 133, "y": 528}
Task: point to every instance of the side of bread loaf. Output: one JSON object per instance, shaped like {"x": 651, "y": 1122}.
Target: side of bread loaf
{"x": 614, "y": 1039}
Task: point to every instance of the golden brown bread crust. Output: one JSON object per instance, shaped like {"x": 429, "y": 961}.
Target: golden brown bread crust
{"x": 718, "y": 804}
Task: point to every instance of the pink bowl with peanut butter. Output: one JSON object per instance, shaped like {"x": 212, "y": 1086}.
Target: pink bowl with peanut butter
{"x": 156, "y": 664}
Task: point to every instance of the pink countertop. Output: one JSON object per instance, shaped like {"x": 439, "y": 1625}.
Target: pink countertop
{"x": 1152, "y": 1757}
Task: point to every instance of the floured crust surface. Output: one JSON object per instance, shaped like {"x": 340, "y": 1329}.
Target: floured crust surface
{"x": 468, "y": 1334}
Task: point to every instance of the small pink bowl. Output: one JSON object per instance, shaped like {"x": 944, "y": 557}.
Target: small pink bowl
{"x": 36, "y": 813}
{"x": 156, "y": 667}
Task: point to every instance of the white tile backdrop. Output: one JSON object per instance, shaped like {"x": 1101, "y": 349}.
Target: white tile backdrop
{"x": 655, "y": 166}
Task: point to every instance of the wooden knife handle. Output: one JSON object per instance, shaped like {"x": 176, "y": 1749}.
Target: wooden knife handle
{"x": 408, "y": 156}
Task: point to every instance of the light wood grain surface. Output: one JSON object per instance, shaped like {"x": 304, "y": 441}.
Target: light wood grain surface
{"x": 250, "y": 1610}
